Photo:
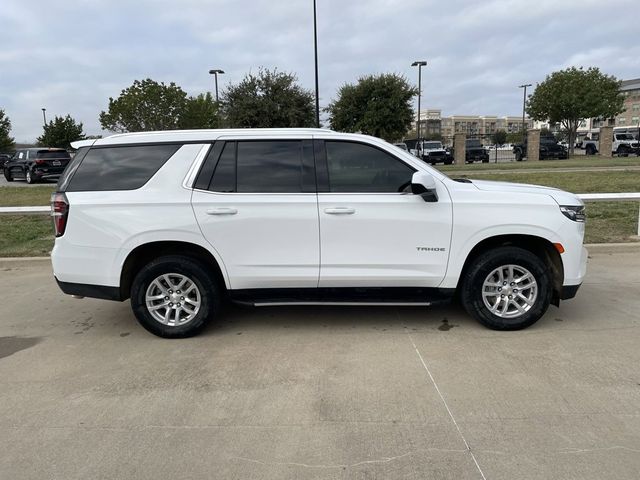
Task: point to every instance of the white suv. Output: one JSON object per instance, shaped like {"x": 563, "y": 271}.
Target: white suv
{"x": 180, "y": 221}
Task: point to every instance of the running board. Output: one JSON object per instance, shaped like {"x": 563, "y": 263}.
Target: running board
{"x": 378, "y": 296}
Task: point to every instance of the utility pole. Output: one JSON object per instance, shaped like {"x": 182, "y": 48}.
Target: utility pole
{"x": 315, "y": 52}
{"x": 44, "y": 116}
{"x": 419, "y": 64}
{"x": 215, "y": 74}
{"x": 524, "y": 102}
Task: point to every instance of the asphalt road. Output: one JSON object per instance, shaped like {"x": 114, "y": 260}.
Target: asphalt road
{"x": 339, "y": 393}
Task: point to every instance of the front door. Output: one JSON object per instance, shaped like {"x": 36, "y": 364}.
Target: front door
{"x": 258, "y": 209}
{"x": 373, "y": 231}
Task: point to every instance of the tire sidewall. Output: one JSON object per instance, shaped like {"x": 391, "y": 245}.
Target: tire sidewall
{"x": 209, "y": 294}
{"x": 474, "y": 280}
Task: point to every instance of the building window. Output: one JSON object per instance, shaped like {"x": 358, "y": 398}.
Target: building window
{"x": 622, "y": 120}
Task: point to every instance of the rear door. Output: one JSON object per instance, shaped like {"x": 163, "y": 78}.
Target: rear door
{"x": 255, "y": 201}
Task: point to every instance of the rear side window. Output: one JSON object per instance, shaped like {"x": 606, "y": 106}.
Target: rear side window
{"x": 272, "y": 166}
{"x": 118, "y": 168}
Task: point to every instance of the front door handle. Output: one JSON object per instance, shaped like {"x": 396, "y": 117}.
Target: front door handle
{"x": 222, "y": 211}
{"x": 340, "y": 211}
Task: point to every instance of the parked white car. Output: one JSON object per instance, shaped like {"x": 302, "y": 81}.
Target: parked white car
{"x": 180, "y": 221}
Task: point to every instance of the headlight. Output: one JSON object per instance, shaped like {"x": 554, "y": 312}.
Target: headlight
{"x": 574, "y": 212}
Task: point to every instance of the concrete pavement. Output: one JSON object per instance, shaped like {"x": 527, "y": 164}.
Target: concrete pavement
{"x": 309, "y": 392}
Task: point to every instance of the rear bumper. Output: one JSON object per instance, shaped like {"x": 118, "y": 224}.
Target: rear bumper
{"x": 92, "y": 291}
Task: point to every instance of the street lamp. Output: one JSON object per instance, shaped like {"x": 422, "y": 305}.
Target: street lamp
{"x": 524, "y": 101}
{"x": 44, "y": 116}
{"x": 419, "y": 64}
{"x": 315, "y": 52}
{"x": 215, "y": 74}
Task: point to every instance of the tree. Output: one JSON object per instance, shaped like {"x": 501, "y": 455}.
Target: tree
{"x": 200, "y": 112}
{"x": 268, "y": 99}
{"x": 514, "y": 138}
{"x": 572, "y": 95}
{"x": 60, "y": 132}
{"x": 145, "y": 105}
{"x": 7, "y": 143}
{"x": 499, "y": 137}
{"x": 378, "y": 105}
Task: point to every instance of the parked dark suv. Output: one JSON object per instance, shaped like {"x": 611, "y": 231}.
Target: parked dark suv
{"x": 549, "y": 148}
{"x": 474, "y": 151}
{"x": 35, "y": 164}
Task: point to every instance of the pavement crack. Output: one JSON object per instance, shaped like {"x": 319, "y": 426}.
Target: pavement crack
{"x": 600, "y": 449}
{"x": 382, "y": 460}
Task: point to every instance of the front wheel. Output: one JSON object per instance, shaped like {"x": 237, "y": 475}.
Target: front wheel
{"x": 7, "y": 175}
{"x": 507, "y": 288}
{"x": 174, "y": 296}
{"x": 29, "y": 177}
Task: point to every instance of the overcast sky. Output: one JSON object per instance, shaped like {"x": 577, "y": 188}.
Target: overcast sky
{"x": 70, "y": 56}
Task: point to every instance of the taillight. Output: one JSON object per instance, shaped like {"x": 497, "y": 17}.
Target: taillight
{"x": 39, "y": 161}
{"x": 59, "y": 212}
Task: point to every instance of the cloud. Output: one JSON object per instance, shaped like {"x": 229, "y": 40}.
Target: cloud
{"x": 70, "y": 57}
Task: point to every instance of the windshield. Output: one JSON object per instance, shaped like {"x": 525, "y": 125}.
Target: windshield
{"x": 473, "y": 143}
{"x": 431, "y": 145}
{"x": 548, "y": 140}
{"x": 624, "y": 136}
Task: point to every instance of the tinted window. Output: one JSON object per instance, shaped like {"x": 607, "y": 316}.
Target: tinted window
{"x": 49, "y": 155}
{"x": 473, "y": 143}
{"x": 63, "y": 181}
{"x": 273, "y": 166}
{"x": 224, "y": 176}
{"x": 355, "y": 167}
{"x": 119, "y": 168}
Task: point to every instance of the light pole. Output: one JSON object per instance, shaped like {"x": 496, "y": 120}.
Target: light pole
{"x": 524, "y": 102}
{"x": 215, "y": 74}
{"x": 315, "y": 53}
{"x": 419, "y": 64}
{"x": 44, "y": 116}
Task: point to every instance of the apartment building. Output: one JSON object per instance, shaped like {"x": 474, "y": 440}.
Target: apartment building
{"x": 433, "y": 123}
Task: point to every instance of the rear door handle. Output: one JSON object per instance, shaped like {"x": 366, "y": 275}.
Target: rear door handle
{"x": 340, "y": 211}
{"x": 222, "y": 211}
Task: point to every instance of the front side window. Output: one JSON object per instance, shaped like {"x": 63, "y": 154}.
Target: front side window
{"x": 360, "y": 168}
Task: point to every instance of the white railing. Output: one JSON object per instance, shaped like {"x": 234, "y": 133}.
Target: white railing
{"x": 586, "y": 197}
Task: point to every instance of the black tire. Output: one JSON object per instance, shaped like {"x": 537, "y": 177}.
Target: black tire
{"x": 29, "y": 177}
{"x": 623, "y": 151}
{"x": 518, "y": 156}
{"x": 590, "y": 150}
{"x": 7, "y": 175}
{"x": 204, "y": 280}
{"x": 448, "y": 162}
{"x": 485, "y": 160}
{"x": 473, "y": 281}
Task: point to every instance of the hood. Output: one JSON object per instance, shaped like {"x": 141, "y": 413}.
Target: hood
{"x": 560, "y": 196}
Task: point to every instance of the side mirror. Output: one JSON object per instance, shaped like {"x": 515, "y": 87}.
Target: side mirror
{"x": 424, "y": 185}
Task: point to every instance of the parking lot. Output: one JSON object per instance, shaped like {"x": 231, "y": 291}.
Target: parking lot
{"x": 307, "y": 392}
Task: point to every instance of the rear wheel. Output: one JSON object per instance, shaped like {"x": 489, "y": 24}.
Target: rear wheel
{"x": 507, "y": 288}
{"x": 175, "y": 297}
{"x": 590, "y": 150}
{"x": 518, "y": 156}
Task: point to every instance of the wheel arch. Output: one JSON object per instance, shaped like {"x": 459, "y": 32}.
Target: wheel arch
{"x": 144, "y": 253}
{"x": 539, "y": 246}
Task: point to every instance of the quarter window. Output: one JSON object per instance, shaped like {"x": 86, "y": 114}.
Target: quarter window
{"x": 119, "y": 168}
{"x": 356, "y": 167}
